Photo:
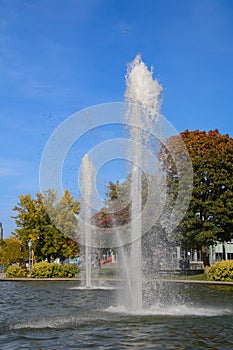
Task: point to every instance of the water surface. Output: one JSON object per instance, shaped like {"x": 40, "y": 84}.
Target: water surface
{"x": 58, "y": 315}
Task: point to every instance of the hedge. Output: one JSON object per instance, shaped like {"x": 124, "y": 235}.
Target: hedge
{"x": 221, "y": 271}
{"x": 16, "y": 271}
{"x": 45, "y": 269}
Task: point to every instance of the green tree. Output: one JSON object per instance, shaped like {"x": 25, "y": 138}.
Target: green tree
{"x": 49, "y": 223}
{"x": 62, "y": 211}
{"x": 10, "y": 251}
{"x": 117, "y": 203}
{"x": 210, "y": 214}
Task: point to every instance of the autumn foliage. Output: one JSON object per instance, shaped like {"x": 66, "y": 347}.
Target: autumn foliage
{"x": 210, "y": 214}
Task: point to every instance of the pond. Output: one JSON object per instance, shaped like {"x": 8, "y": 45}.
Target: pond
{"x": 59, "y": 315}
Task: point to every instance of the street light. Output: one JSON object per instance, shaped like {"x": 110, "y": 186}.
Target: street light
{"x": 29, "y": 255}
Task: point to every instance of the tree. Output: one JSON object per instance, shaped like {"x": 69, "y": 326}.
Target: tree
{"x": 48, "y": 223}
{"x": 10, "y": 251}
{"x": 114, "y": 220}
{"x": 114, "y": 214}
{"x": 103, "y": 219}
{"x": 62, "y": 212}
{"x": 209, "y": 217}
{"x": 118, "y": 202}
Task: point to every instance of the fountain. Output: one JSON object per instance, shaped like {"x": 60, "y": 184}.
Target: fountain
{"x": 143, "y": 118}
{"x": 87, "y": 177}
{"x": 188, "y": 316}
{"x": 142, "y": 98}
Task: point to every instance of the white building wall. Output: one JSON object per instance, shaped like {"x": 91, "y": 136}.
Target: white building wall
{"x": 216, "y": 251}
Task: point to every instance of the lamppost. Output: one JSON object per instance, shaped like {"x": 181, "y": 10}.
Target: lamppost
{"x": 29, "y": 255}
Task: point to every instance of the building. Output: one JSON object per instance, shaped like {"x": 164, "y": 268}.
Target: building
{"x": 1, "y": 231}
{"x": 217, "y": 251}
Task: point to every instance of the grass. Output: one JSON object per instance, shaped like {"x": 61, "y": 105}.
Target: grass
{"x": 200, "y": 277}
{"x": 112, "y": 272}
{"x": 107, "y": 272}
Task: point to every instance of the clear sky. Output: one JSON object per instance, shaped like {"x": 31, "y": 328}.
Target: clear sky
{"x": 58, "y": 57}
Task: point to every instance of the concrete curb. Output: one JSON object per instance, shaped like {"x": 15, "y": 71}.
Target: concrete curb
{"x": 28, "y": 279}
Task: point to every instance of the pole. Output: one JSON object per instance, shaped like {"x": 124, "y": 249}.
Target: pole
{"x": 29, "y": 255}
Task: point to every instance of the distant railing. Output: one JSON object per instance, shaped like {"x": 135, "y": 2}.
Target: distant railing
{"x": 196, "y": 265}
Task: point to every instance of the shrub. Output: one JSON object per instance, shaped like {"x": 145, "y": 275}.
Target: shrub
{"x": 16, "y": 271}
{"x": 45, "y": 269}
{"x": 70, "y": 270}
{"x": 221, "y": 271}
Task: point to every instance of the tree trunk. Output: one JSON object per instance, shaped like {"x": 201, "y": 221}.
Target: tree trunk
{"x": 205, "y": 256}
{"x": 224, "y": 252}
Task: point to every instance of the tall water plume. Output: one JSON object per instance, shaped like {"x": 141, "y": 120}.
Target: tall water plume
{"x": 143, "y": 105}
{"x": 87, "y": 178}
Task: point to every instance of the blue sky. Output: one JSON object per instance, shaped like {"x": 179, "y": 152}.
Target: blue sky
{"x": 58, "y": 57}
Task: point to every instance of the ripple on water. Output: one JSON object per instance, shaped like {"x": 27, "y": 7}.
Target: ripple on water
{"x": 53, "y": 316}
{"x": 174, "y": 310}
